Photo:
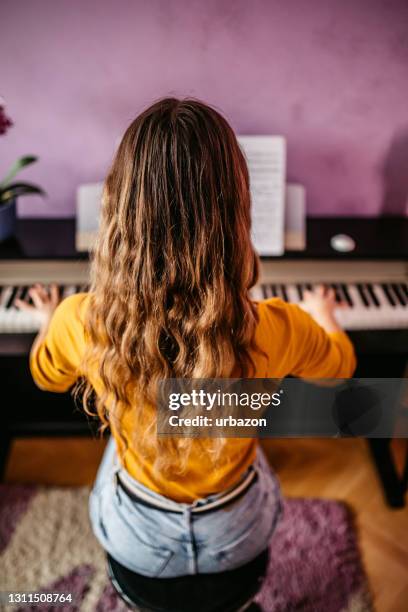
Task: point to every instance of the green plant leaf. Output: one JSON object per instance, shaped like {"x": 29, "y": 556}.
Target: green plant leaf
{"x": 19, "y": 189}
{"x": 18, "y": 165}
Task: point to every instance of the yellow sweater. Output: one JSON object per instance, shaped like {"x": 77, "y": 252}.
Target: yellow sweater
{"x": 292, "y": 343}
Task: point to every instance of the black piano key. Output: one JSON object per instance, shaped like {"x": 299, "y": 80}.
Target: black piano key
{"x": 268, "y": 291}
{"x": 337, "y": 293}
{"x": 264, "y": 292}
{"x": 404, "y": 289}
{"x": 363, "y": 295}
{"x": 24, "y": 292}
{"x": 309, "y": 287}
{"x": 388, "y": 294}
{"x": 347, "y": 295}
{"x": 284, "y": 293}
{"x": 300, "y": 291}
{"x": 370, "y": 290}
{"x": 10, "y": 301}
{"x": 273, "y": 290}
{"x": 399, "y": 294}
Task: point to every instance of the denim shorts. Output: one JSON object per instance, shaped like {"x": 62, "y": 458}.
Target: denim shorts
{"x": 158, "y": 543}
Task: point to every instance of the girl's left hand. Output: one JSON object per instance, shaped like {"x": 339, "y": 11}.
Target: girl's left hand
{"x": 44, "y": 302}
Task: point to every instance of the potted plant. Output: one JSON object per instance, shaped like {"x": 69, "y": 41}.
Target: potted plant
{"x": 10, "y": 189}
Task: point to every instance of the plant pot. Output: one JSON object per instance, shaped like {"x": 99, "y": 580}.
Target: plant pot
{"x": 8, "y": 220}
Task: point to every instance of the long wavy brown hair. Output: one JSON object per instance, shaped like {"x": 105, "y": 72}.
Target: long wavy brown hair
{"x": 172, "y": 268}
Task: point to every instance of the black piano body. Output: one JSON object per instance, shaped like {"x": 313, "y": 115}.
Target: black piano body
{"x": 381, "y": 245}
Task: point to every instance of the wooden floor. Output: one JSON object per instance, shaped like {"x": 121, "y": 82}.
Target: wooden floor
{"x": 335, "y": 469}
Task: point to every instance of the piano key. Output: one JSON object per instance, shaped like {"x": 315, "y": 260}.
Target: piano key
{"x": 69, "y": 290}
{"x": 5, "y": 296}
{"x": 300, "y": 292}
{"x": 355, "y": 297}
{"x": 363, "y": 295}
{"x": 257, "y": 293}
{"x": 399, "y": 294}
{"x": 24, "y": 292}
{"x": 273, "y": 290}
{"x": 337, "y": 293}
{"x": 292, "y": 294}
{"x": 13, "y": 294}
{"x": 372, "y": 294}
{"x": 388, "y": 294}
{"x": 346, "y": 294}
{"x": 404, "y": 288}
{"x": 284, "y": 293}
{"x": 278, "y": 292}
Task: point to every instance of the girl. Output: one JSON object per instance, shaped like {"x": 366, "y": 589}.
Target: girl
{"x": 170, "y": 297}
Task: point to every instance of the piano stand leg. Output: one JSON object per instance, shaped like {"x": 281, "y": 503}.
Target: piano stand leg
{"x": 393, "y": 485}
{"x": 5, "y": 443}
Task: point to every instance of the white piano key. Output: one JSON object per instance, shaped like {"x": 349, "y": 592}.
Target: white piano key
{"x": 292, "y": 294}
{"x": 69, "y": 290}
{"x": 257, "y": 293}
{"x": 5, "y": 295}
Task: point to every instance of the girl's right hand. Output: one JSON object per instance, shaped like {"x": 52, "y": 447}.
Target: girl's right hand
{"x": 320, "y": 304}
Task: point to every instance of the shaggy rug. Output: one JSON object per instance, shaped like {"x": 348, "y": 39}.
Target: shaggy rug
{"x": 46, "y": 544}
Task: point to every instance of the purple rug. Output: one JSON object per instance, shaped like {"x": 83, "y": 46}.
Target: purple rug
{"x": 315, "y": 563}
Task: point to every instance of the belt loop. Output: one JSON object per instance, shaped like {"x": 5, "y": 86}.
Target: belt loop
{"x": 116, "y": 485}
{"x": 192, "y": 552}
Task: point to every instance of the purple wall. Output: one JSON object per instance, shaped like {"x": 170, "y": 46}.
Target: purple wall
{"x": 330, "y": 75}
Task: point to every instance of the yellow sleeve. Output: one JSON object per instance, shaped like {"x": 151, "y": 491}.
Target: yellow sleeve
{"x": 307, "y": 350}
{"x": 54, "y": 363}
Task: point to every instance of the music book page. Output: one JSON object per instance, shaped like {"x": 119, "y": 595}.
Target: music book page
{"x": 266, "y": 158}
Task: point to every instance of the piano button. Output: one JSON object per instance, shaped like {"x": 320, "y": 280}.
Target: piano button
{"x": 346, "y": 294}
{"x": 388, "y": 294}
{"x": 399, "y": 294}
{"x": 300, "y": 292}
{"x": 284, "y": 293}
{"x": 364, "y": 297}
{"x": 370, "y": 291}
{"x": 10, "y": 301}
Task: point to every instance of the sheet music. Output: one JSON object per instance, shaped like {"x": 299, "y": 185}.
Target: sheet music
{"x": 266, "y": 158}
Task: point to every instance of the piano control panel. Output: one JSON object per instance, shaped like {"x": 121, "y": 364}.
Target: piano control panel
{"x": 371, "y": 295}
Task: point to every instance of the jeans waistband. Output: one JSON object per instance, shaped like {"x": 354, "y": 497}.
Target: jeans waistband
{"x": 125, "y": 481}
